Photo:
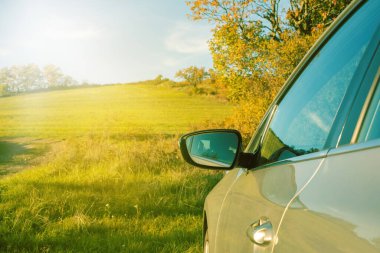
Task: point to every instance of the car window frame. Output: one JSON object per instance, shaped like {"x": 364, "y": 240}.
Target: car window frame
{"x": 343, "y": 112}
{"x": 369, "y": 115}
{"x": 367, "y": 87}
{"x": 372, "y": 99}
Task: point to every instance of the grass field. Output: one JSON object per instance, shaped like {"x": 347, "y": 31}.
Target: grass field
{"x": 98, "y": 170}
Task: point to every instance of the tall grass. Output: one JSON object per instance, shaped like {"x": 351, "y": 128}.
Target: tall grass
{"x": 90, "y": 182}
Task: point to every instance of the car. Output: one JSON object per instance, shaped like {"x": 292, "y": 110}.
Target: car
{"x": 309, "y": 179}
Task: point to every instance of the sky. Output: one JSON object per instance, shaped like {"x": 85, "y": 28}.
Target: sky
{"x": 103, "y": 41}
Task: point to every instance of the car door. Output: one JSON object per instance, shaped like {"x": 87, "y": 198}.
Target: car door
{"x": 306, "y": 120}
{"x": 341, "y": 204}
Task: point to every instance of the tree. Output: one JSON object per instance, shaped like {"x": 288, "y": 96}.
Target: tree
{"x": 306, "y": 15}
{"x": 255, "y": 46}
{"x": 247, "y": 31}
{"x": 15, "y": 79}
{"x": 159, "y": 79}
{"x": 192, "y": 75}
{"x": 53, "y": 75}
{"x": 247, "y": 15}
{"x": 67, "y": 81}
{"x": 242, "y": 28}
{"x": 29, "y": 77}
{"x": 4, "y": 81}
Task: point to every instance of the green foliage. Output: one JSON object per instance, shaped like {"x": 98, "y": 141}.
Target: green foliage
{"x": 101, "y": 170}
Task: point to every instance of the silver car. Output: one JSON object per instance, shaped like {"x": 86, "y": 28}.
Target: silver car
{"x": 309, "y": 180}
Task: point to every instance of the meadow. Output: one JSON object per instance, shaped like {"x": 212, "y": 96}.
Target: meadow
{"x": 98, "y": 170}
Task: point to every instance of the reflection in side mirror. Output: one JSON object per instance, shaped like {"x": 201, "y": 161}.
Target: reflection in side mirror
{"x": 214, "y": 149}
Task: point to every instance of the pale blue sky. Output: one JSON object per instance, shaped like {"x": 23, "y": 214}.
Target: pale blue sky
{"x": 103, "y": 41}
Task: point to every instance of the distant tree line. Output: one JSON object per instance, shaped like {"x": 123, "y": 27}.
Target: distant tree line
{"x": 25, "y": 78}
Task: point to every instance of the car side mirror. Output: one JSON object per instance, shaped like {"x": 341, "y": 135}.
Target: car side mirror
{"x": 212, "y": 149}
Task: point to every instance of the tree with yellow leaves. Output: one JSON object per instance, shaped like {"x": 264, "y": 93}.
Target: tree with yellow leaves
{"x": 256, "y": 45}
{"x": 192, "y": 75}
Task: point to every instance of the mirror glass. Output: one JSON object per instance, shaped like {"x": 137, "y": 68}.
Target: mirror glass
{"x": 213, "y": 149}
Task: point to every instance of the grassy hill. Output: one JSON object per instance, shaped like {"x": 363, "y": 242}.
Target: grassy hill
{"x": 99, "y": 170}
{"x": 118, "y": 109}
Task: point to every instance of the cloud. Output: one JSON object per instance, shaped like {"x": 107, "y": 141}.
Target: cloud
{"x": 69, "y": 29}
{"x": 4, "y": 52}
{"x": 170, "y": 62}
{"x": 188, "y": 38}
{"x": 73, "y": 34}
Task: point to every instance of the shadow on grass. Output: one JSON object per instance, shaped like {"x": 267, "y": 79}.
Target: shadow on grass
{"x": 8, "y": 150}
{"x": 16, "y": 154}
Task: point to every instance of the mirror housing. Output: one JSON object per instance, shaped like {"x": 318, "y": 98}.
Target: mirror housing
{"x": 217, "y": 149}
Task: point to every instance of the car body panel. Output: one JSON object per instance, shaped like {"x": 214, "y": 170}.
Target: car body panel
{"x": 341, "y": 211}
{"x": 214, "y": 203}
{"x": 252, "y": 195}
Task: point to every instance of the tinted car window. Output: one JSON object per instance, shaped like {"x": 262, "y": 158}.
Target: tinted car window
{"x": 305, "y": 115}
{"x": 371, "y": 125}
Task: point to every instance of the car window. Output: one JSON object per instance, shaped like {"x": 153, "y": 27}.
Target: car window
{"x": 306, "y": 114}
{"x": 371, "y": 124}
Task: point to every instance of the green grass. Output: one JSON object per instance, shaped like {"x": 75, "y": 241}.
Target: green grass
{"x": 98, "y": 170}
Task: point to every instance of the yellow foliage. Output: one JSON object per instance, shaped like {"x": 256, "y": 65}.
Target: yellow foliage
{"x": 255, "y": 49}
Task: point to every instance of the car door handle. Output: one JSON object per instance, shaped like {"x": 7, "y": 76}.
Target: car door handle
{"x": 261, "y": 231}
